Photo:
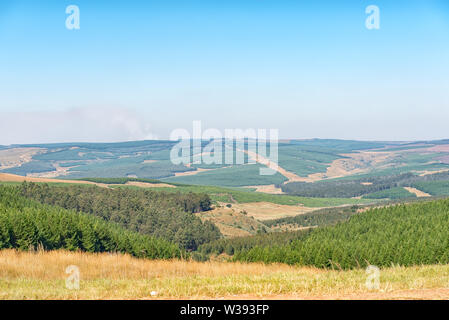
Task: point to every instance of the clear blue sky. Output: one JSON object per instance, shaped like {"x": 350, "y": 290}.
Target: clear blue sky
{"x": 139, "y": 69}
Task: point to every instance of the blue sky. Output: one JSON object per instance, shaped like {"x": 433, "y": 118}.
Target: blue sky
{"x": 139, "y": 69}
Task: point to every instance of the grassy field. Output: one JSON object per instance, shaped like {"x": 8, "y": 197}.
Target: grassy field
{"x": 41, "y": 275}
{"x": 393, "y": 193}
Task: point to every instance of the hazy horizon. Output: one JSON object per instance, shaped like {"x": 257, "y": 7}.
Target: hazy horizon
{"x": 280, "y": 141}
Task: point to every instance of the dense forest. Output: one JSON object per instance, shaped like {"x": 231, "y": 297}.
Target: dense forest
{"x": 343, "y": 188}
{"x": 161, "y": 214}
{"x": 405, "y": 234}
{"x": 26, "y": 224}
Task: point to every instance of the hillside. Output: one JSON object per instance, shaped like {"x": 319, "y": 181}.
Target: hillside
{"x": 29, "y": 225}
{"x": 410, "y": 234}
{"x": 161, "y": 214}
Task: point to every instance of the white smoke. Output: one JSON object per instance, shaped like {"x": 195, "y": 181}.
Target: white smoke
{"x": 74, "y": 125}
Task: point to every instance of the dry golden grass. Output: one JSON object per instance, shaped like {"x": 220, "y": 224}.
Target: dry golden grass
{"x": 149, "y": 185}
{"x": 231, "y": 221}
{"x": 268, "y": 210}
{"x": 41, "y": 275}
{"x": 7, "y": 177}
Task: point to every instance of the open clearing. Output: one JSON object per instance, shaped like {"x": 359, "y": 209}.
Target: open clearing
{"x": 6, "y": 177}
{"x": 354, "y": 163}
{"x": 270, "y": 188}
{"x": 149, "y": 185}
{"x": 41, "y": 275}
{"x": 268, "y": 210}
{"x": 231, "y": 222}
{"x": 191, "y": 173}
{"x": 426, "y": 173}
{"x": 11, "y": 158}
{"x": 418, "y": 193}
{"x": 59, "y": 171}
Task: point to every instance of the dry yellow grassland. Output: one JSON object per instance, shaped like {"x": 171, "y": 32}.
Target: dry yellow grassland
{"x": 41, "y": 275}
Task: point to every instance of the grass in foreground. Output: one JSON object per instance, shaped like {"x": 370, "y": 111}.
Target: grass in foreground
{"x": 41, "y": 275}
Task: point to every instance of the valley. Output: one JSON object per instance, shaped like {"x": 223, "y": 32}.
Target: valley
{"x": 307, "y": 232}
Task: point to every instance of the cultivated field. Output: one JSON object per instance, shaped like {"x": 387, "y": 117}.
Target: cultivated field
{"x": 41, "y": 275}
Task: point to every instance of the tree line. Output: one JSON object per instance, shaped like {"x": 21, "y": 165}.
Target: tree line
{"x": 342, "y": 188}
{"x": 318, "y": 218}
{"x": 232, "y": 245}
{"x": 166, "y": 215}
{"x": 26, "y": 224}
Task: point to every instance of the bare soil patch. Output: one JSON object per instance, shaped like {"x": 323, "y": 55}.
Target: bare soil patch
{"x": 16, "y": 157}
{"x": 418, "y": 193}
{"x": 232, "y": 222}
{"x": 191, "y": 173}
{"x": 6, "y": 177}
{"x": 271, "y": 188}
{"x": 354, "y": 163}
{"x": 149, "y": 185}
{"x": 426, "y": 172}
{"x": 59, "y": 171}
{"x": 267, "y": 210}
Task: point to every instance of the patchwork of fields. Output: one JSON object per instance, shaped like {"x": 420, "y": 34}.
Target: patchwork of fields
{"x": 299, "y": 160}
